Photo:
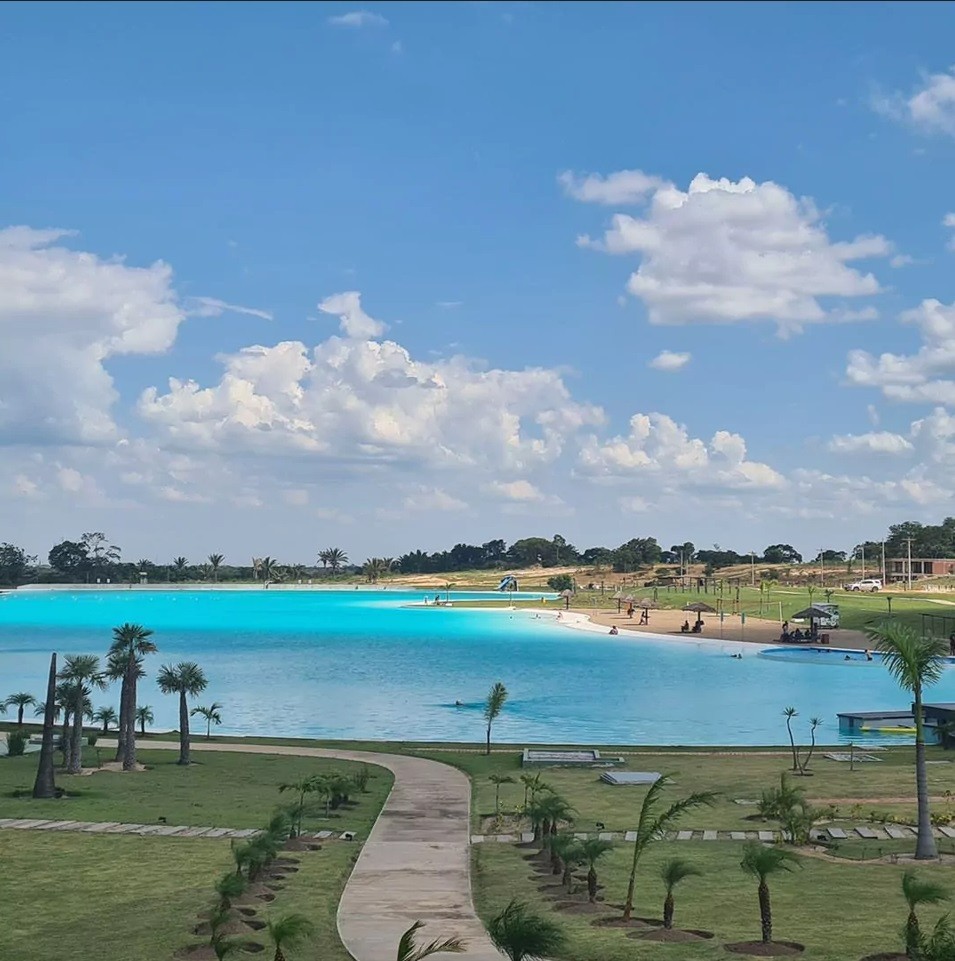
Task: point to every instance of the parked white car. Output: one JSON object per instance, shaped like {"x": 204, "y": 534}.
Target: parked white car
{"x": 869, "y": 584}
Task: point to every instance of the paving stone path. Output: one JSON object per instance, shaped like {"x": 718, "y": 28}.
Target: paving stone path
{"x": 155, "y": 830}
{"x": 866, "y": 833}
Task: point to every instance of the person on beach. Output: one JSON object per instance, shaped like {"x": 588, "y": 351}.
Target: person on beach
{"x": 868, "y": 656}
{"x": 613, "y": 630}
{"x": 630, "y": 610}
{"x": 685, "y": 629}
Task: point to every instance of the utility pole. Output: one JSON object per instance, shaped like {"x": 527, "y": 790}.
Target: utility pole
{"x": 908, "y": 541}
{"x": 863, "y": 562}
{"x": 883, "y": 563}
{"x": 752, "y": 554}
{"x": 822, "y": 567}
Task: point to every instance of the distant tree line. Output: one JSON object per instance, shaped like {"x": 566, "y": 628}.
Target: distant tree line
{"x": 94, "y": 558}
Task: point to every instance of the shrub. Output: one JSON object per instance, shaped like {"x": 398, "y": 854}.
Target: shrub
{"x": 560, "y": 582}
{"x": 362, "y": 778}
{"x": 91, "y": 739}
{"x": 16, "y": 743}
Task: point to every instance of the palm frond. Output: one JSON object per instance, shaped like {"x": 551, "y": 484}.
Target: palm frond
{"x": 408, "y": 949}
{"x": 918, "y": 891}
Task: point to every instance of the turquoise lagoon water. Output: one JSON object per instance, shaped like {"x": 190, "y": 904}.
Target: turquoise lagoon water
{"x": 363, "y": 664}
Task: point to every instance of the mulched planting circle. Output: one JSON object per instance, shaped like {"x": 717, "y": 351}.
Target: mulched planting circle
{"x": 887, "y": 956}
{"x": 196, "y": 952}
{"x": 760, "y": 949}
{"x": 618, "y": 922}
{"x": 579, "y": 907}
{"x": 673, "y": 936}
{"x": 252, "y": 947}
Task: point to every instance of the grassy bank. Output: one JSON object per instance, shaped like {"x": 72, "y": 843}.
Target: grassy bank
{"x": 218, "y": 790}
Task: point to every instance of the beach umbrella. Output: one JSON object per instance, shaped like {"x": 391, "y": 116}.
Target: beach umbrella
{"x": 813, "y": 613}
{"x": 566, "y": 595}
{"x": 646, "y": 603}
{"x": 701, "y": 607}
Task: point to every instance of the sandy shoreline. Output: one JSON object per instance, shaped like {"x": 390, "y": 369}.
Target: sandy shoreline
{"x": 667, "y": 623}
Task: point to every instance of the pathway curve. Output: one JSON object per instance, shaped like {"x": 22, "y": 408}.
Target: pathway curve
{"x": 415, "y": 864}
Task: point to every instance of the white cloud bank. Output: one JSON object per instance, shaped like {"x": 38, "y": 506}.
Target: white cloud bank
{"x": 358, "y": 19}
{"x": 726, "y": 251}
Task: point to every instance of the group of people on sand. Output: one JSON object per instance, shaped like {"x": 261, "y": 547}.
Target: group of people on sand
{"x": 799, "y": 635}
{"x": 695, "y": 629}
{"x": 644, "y": 613}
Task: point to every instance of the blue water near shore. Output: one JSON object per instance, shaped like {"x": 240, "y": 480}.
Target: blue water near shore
{"x": 363, "y": 664}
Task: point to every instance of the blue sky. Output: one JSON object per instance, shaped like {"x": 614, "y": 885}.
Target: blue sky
{"x": 454, "y": 165}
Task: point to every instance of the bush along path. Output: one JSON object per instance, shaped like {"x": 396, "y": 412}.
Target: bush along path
{"x": 415, "y": 865}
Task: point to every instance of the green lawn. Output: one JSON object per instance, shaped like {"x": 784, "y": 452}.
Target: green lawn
{"x": 743, "y": 776}
{"x": 840, "y": 912}
{"x": 219, "y": 790}
{"x": 87, "y": 898}
{"x": 93, "y": 898}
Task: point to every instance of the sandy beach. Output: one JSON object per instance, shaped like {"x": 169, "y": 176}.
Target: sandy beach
{"x": 755, "y": 631}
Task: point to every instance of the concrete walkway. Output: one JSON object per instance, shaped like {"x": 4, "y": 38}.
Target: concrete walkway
{"x": 415, "y": 864}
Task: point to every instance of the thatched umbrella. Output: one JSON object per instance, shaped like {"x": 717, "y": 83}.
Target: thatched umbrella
{"x": 645, "y": 603}
{"x": 700, "y": 607}
{"x": 566, "y": 595}
{"x": 814, "y": 613}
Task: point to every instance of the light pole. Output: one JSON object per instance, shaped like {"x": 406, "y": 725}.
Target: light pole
{"x": 863, "y": 562}
{"x": 822, "y": 567}
{"x": 752, "y": 555}
{"x": 908, "y": 541}
{"x": 883, "y": 563}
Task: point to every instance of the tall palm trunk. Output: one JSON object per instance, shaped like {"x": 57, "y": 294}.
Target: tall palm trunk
{"x": 129, "y": 747}
{"x": 628, "y": 904}
{"x": 279, "y": 954}
{"x": 76, "y": 746}
{"x": 765, "y": 912}
{"x": 668, "y": 911}
{"x": 123, "y": 719}
{"x": 487, "y": 749}
{"x": 65, "y": 740}
{"x": 925, "y": 847}
{"x": 592, "y": 884}
{"x": 183, "y": 729}
{"x": 45, "y": 784}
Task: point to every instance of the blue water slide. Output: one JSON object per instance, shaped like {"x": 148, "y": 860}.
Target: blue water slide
{"x": 509, "y": 583}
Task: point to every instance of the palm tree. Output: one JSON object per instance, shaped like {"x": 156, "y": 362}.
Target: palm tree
{"x": 654, "y": 824}
{"x": 179, "y": 565}
{"x": 814, "y": 723}
{"x": 373, "y": 569}
{"x": 336, "y": 558}
{"x": 408, "y": 949}
{"x": 532, "y": 785}
{"x": 44, "y": 786}
{"x": 593, "y": 850}
{"x": 187, "y": 680}
{"x": 323, "y": 556}
{"x": 672, "y": 872}
{"x": 20, "y": 701}
{"x": 211, "y": 714}
{"x": 106, "y": 716}
{"x": 492, "y": 708}
{"x": 497, "y": 780}
{"x": 917, "y": 893}
{"x": 567, "y": 854}
{"x": 940, "y": 945}
{"x": 518, "y": 933}
{"x": 915, "y": 663}
{"x": 286, "y": 930}
{"x": 215, "y": 562}
{"x": 130, "y": 645}
{"x": 269, "y": 569}
{"x": 144, "y": 716}
{"x": 551, "y": 811}
{"x": 229, "y": 887}
{"x": 762, "y": 862}
{"x": 304, "y": 785}
{"x": 82, "y": 673}
{"x": 789, "y": 713}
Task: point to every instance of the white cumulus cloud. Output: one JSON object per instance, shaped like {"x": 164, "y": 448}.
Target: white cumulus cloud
{"x": 516, "y": 490}
{"x": 358, "y": 19}
{"x": 874, "y": 442}
{"x": 670, "y": 361}
{"x": 661, "y": 451}
{"x": 726, "y": 251}
{"x": 930, "y": 107}
{"x": 63, "y": 314}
